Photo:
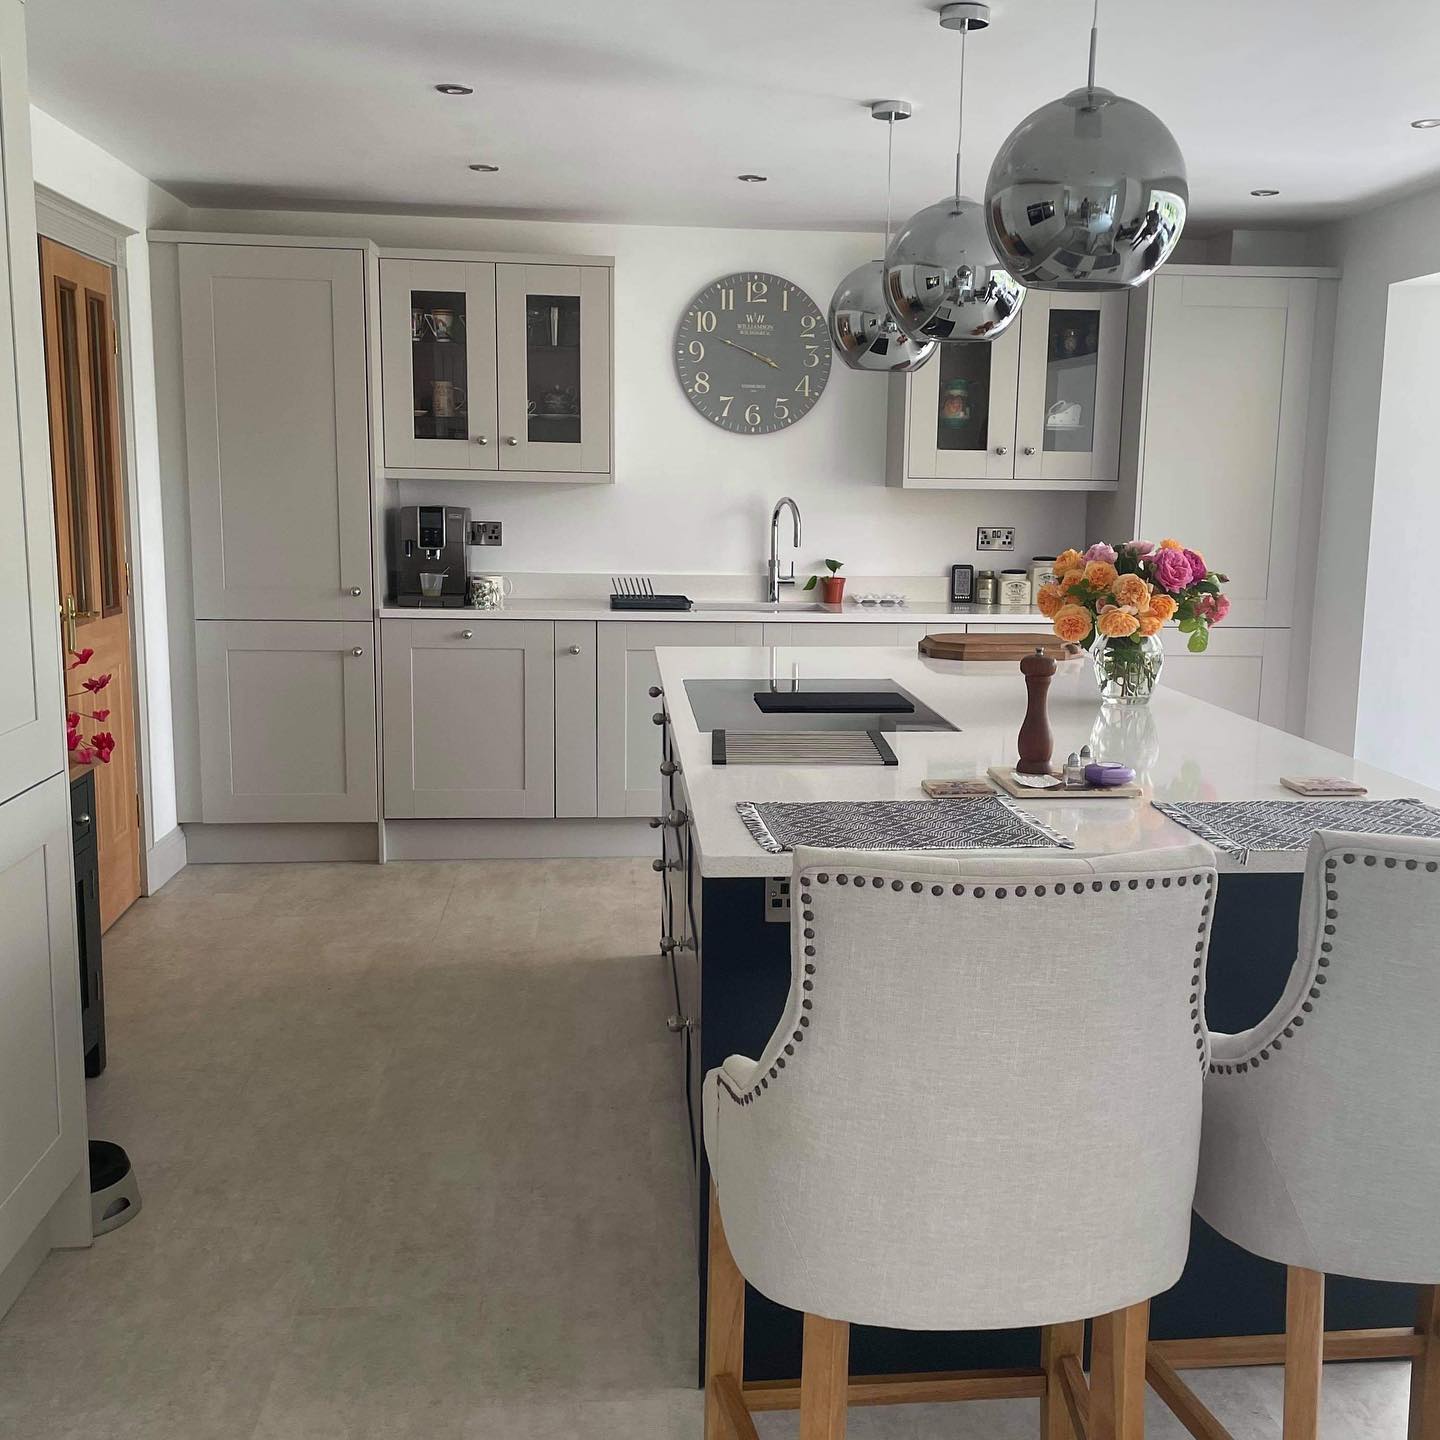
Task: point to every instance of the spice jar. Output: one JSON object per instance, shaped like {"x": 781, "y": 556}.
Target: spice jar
{"x": 1042, "y": 572}
{"x": 1014, "y": 587}
{"x": 986, "y": 588}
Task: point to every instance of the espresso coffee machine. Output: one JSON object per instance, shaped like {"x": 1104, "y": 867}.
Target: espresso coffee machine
{"x": 428, "y": 554}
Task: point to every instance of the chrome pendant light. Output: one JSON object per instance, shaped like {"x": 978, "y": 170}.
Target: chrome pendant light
{"x": 1088, "y": 193}
{"x": 862, "y": 329}
{"x": 942, "y": 280}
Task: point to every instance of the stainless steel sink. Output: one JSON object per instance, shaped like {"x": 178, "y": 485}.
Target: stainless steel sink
{"x": 768, "y": 607}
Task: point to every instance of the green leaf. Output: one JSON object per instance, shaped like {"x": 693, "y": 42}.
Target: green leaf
{"x": 810, "y": 583}
{"x": 1199, "y": 641}
{"x": 834, "y": 565}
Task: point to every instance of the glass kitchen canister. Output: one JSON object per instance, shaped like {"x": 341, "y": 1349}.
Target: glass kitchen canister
{"x": 987, "y": 588}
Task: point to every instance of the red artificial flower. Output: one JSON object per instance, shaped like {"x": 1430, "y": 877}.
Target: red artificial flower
{"x": 104, "y": 743}
{"x": 82, "y": 657}
{"x": 96, "y": 683}
{"x": 72, "y": 738}
{"x": 100, "y": 715}
{"x": 72, "y": 718}
{"x": 84, "y": 755}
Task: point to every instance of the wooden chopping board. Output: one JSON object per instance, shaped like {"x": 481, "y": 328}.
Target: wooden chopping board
{"x": 1004, "y": 777}
{"x": 996, "y": 647}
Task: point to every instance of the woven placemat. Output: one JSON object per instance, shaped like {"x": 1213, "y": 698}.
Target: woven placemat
{"x": 1239, "y": 827}
{"x": 968, "y": 824}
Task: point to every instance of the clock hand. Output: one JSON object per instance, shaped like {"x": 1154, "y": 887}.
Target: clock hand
{"x": 765, "y": 359}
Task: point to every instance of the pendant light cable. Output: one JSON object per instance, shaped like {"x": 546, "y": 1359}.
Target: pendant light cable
{"x": 1094, "y": 40}
{"x": 889, "y": 174}
{"x": 960, "y": 128}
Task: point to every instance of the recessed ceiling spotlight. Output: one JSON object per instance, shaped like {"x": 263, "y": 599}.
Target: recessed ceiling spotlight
{"x": 1425, "y": 124}
{"x": 456, "y": 89}
{"x": 1264, "y": 194}
{"x": 753, "y": 179}
{"x": 485, "y": 169}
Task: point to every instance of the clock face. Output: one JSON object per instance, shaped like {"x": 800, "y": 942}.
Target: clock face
{"x": 752, "y": 352}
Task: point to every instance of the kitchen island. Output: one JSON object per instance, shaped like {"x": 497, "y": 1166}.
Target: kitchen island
{"x": 725, "y": 922}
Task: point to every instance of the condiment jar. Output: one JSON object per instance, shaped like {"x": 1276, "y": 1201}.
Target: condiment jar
{"x": 1014, "y": 587}
{"x": 1042, "y": 572}
{"x": 987, "y": 588}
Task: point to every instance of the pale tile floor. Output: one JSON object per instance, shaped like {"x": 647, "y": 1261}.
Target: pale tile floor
{"x": 413, "y": 1155}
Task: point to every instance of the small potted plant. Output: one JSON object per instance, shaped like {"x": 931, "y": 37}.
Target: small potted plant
{"x": 832, "y": 586}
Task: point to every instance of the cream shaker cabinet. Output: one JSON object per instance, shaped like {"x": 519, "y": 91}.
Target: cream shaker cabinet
{"x": 469, "y": 710}
{"x": 1038, "y": 408}
{"x": 277, "y": 431}
{"x": 497, "y": 368}
{"x": 287, "y": 720}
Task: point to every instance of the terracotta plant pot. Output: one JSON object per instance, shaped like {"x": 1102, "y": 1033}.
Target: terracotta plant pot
{"x": 832, "y": 589}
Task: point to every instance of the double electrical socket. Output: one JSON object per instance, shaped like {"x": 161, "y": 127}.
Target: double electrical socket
{"x": 485, "y": 532}
{"x": 995, "y": 537}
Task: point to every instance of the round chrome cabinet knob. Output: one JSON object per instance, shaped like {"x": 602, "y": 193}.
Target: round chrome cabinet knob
{"x": 1002, "y": 449}
{"x": 574, "y": 649}
{"x": 654, "y": 692}
{"x": 661, "y": 866}
{"x": 669, "y": 767}
{"x": 467, "y": 634}
{"x": 357, "y": 652}
{"x": 82, "y": 819}
{"x": 482, "y": 439}
{"x": 356, "y": 591}
{"x": 676, "y": 1023}
{"x": 658, "y": 718}
{"x": 511, "y": 440}
{"x": 1029, "y": 449}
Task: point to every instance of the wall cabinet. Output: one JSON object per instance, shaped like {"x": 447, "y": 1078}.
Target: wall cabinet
{"x": 1039, "y": 408}
{"x": 276, "y": 431}
{"x": 627, "y": 740}
{"x": 287, "y": 720}
{"x": 500, "y": 369}
{"x": 469, "y": 718}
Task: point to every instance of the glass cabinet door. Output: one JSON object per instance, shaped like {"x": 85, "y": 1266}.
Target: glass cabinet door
{"x": 962, "y": 412}
{"x": 553, "y": 344}
{"x": 1071, "y": 376}
{"x": 438, "y": 364}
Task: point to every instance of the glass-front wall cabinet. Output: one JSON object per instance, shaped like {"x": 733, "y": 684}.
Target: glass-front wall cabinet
{"x": 1041, "y": 403}
{"x": 495, "y": 366}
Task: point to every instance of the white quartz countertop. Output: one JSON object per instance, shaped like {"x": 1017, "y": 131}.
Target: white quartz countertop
{"x": 787, "y": 612}
{"x": 1182, "y": 749}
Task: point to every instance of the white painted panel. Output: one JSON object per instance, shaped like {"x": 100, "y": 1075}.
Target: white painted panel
{"x": 575, "y": 718}
{"x": 277, "y": 431}
{"x": 830, "y": 632}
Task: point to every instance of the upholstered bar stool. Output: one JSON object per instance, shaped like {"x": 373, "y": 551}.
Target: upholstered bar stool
{"x": 980, "y": 1110}
{"x": 1321, "y": 1138}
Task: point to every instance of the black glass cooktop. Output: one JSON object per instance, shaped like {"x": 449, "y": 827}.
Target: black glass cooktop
{"x": 733, "y": 705}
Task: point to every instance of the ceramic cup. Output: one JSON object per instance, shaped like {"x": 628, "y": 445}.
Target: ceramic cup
{"x": 488, "y": 592}
{"x": 446, "y": 398}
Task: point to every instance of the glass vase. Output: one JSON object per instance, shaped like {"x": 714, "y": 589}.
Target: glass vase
{"x": 1127, "y": 670}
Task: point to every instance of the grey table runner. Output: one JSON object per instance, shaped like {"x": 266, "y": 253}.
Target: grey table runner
{"x": 1237, "y": 827}
{"x": 970, "y": 824}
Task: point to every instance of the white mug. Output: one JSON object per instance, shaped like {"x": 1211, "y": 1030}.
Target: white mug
{"x": 488, "y": 592}
{"x": 446, "y": 398}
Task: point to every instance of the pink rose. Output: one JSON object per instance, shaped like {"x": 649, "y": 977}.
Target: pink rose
{"x": 1100, "y": 551}
{"x": 1198, "y": 568}
{"x": 1212, "y": 608}
{"x": 1172, "y": 570}
{"x": 1139, "y": 548}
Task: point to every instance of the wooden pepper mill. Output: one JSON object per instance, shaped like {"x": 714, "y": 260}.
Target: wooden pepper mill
{"x": 1035, "y": 740}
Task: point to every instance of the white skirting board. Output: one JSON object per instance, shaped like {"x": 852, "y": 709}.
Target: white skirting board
{"x": 517, "y": 839}
{"x": 256, "y": 844}
{"x": 164, "y": 860}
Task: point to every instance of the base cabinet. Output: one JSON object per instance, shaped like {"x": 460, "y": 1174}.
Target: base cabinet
{"x": 469, "y": 718}
{"x": 287, "y": 720}
{"x": 1246, "y": 671}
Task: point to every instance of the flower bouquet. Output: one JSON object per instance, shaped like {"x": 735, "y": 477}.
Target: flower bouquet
{"x": 1122, "y": 597}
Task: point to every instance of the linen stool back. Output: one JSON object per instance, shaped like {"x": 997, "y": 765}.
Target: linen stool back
{"x": 981, "y": 1108}
{"x": 1321, "y": 1141}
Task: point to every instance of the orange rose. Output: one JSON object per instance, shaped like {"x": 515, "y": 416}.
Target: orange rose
{"x": 1150, "y": 624}
{"x": 1073, "y": 581}
{"x": 1068, "y": 560}
{"x": 1072, "y": 623}
{"x": 1117, "y": 624}
{"x": 1132, "y": 590}
{"x": 1163, "y": 607}
{"x": 1100, "y": 574}
{"x": 1169, "y": 545}
{"x": 1048, "y": 599}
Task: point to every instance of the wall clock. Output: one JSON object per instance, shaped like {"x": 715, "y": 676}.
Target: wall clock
{"x": 752, "y": 352}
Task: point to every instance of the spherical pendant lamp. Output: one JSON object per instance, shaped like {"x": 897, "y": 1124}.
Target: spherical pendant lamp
{"x": 942, "y": 279}
{"x": 1088, "y": 193}
{"x": 862, "y": 329}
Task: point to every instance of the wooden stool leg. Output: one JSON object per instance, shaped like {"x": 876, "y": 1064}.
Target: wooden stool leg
{"x": 1304, "y": 1351}
{"x": 1117, "y": 1373}
{"x": 1057, "y": 1342}
{"x": 1425, "y": 1369}
{"x": 724, "y": 1326}
{"x": 824, "y": 1379}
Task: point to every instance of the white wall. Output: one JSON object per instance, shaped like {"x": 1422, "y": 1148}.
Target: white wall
{"x": 1405, "y": 517}
{"x": 83, "y": 173}
{"x": 689, "y": 497}
{"x": 1394, "y": 243}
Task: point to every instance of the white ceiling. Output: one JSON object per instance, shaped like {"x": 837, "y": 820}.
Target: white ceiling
{"x": 646, "y": 110}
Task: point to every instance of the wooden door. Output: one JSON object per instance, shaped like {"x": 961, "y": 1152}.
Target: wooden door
{"x": 78, "y": 302}
{"x": 287, "y": 720}
{"x": 552, "y": 336}
{"x": 437, "y": 341}
{"x": 277, "y": 431}
{"x": 469, "y": 718}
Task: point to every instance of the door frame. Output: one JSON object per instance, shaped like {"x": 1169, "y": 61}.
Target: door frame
{"x": 93, "y": 235}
